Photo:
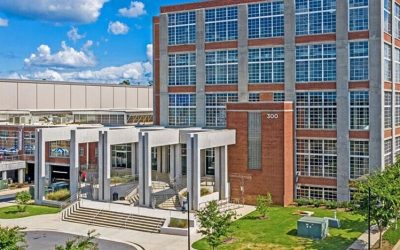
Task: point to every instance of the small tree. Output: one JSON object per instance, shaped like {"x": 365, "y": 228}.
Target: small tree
{"x": 79, "y": 243}
{"x": 125, "y": 82}
{"x": 12, "y": 238}
{"x": 214, "y": 225}
{"x": 263, "y": 204}
{"x": 22, "y": 199}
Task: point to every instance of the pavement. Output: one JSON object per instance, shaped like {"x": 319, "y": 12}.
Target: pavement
{"x": 362, "y": 242}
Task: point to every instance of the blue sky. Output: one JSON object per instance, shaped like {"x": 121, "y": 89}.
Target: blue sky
{"x": 81, "y": 40}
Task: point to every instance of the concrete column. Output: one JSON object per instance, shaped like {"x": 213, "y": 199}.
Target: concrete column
{"x": 290, "y": 51}
{"x": 164, "y": 100}
{"x": 200, "y": 70}
{"x": 224, "y": 191}
{"x": 144, "y": 170}
{"x": 178, "y": 164}
{"x": 376, "y": 91}
{"x": 217, "y": 185}
{"x": 4, "y": 175}
{"x": 202, "y": 163}
{"x": 172, "y": 160}
{"x": 21, "y": 175}
{"x": 100, "y": 154}
{"x": 74, "y": 163}
{"x": 40, "y": 167}
{"x": 193, "y": 171}
{"x": 164, "y": 159}
{"x": 159, "y": 159}
{"x": 107, "y": 168}
{"x": 243, "y": 51}
{"x": 133, "y": 159}
{"x": 342, "y": 92}
{"x": 393, "y": 87}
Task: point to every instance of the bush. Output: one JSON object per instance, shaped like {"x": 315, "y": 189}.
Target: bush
{"x": 343, "y": 204}
{"x": 22, "y": 199}
{"x": 303, "y": 202}
{"x": 204, "y": 191}
{"x": 331, "y": 204}
{"x": 263, "y": 203}
{"x": 178, "y": 223}
{"x": 60, "y": 195}
{"x": 317, "y": 203}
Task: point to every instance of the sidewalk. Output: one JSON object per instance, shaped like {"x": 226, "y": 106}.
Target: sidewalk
{"x": 362, "y": 242}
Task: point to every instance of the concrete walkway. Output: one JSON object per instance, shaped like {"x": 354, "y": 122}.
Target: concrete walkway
{"x": 362, "y": 242}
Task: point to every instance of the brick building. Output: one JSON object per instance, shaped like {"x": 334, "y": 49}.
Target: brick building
{"x": 326, "y": 112}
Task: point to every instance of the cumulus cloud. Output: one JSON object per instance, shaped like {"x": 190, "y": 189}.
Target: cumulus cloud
{"x": 149, "y": 52}
{"x": 67, "y": 57}
{"x": 118, "y": 28}
{"x": 136, "y": 9}
{"x": 74, "y": 35}
{"x": 3, "y": 22}
{"x": 76, "y": 11}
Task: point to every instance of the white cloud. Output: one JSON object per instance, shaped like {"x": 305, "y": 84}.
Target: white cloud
{"x": 76, "y": 11}
{"x": 3, "y": 22}
{"x": 135, "y": 9}
{"x": 118, "y": 28}
{"x": 149, "y": 52}
{"x": 74, "y": 35}
{"x": 67, "y": 57}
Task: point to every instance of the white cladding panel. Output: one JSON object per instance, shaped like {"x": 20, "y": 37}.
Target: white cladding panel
{"x": 62, "y": 96}
{"x": 45, "y": 96}
{"x": 107, "y": 97}
{"x": 26, "y": 96}
{"x": 119, "y": 98}
{"x": 78, "y": 97}
{"x": 8, "y": 95}
{"x": 93, "y": 97}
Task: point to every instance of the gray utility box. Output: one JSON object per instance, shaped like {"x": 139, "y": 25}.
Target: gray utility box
{"x": 312, "y": 227}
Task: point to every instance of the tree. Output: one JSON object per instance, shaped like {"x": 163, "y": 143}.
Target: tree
{"x": 80, "y": 243}
{"x": 263, "y": 203}
{"x": 214, "y": 225}
{"x": 125, "y": 82}
{"x": 381, "y": 193}
{"x": 22, "y": 199}
{"x": 12, "y": 238}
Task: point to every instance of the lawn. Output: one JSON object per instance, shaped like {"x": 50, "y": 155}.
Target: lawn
{"x": 31, "y": 210}
{"x": 279, "y": 231}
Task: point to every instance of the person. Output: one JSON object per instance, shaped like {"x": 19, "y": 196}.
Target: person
{"x": 83, "y": 176}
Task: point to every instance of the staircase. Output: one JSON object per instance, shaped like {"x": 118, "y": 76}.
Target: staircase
{"x": 91, "y": 216}
{"x": 169, "y": 202}
{"x": 133, "y": 199}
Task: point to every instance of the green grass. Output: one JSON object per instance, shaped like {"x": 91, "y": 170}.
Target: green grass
{"x": 392, "y": 235}
{"x": 31, "y": 210}
{"x": 279, "y": 231}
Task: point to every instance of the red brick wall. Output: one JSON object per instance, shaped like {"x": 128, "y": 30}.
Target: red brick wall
{"x": 276, "y": 174}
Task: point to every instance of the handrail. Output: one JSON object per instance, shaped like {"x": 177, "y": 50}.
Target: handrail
{"x": 96, "y": 216}
{"x": 127, "y": 218}
{"x": 65, "y": 205}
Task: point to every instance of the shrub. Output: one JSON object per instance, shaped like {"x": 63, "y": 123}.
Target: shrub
{"x": 22, "y": 199}
{"x": 343, "y": 204}
{"x": 60, "y": 195}
{"x": 178, "y": 223}
{"x": 317, "y": 203}
{"x": 204, "y": 191}
{"x": 302, "y": 202}
{"x": 263, "y": 203}
{"x": 331, "y": 204}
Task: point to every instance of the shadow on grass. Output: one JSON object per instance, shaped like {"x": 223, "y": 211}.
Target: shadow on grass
{"x": 292, "y": 232}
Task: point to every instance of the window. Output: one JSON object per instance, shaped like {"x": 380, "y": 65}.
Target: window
{"x": 254, "y": 140}
{"x": 254, "y": 97}
{"x": 222, "y": 67}
{"x": 9, "y": 142}
{"x": 267, "y": 65}
{"x": 121, "y": 157}
{"x": 359, "y": 110}
{"x": 182, "y": 69}
{"x": 359, "y": 61}
{"x": 316, "y": 110}
{"x": 266, "y": 20}
{"x": 81, "y": 151}
{"x": 182, "y": 28}
{"x": 388, "y": 109}
{"x": 182, "y": 109}
{"x": 396, "y": 25}
{"x": 315, "y": 17}
{"x": 387, "y": 62}
{"x": 59, "y": 149}
{"x": 314, "y": 192}
{"x": 184, "y": 158}
{"x": 316, "y": 157}
{"x": 359, "y": 159}
{"x": 316, "y": 63}
{"x": 210, "y": 161}
{"x": 388, "y": 152}
{"x": 216, "y": 110}
{"x": 29, "y": 143}
{"x": 396, "y": 61}
{"x": 387, "y": 9}
{"x": 397, "y": 109}
{"x": 221, "y": 24}
{"x": 279, "y": 97}
{"x": 358, "y": 15}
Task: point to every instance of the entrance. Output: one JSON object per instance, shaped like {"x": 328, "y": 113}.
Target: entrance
{"x": 59, "y": 173}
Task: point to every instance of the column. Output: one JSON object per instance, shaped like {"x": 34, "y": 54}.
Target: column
{"x": 21, "y": 175}
{"x": 40, "y": 167}
{"x": 133, "y": 159}
{"x": 106, "y": 167}
{"x": 224, "y": 192}
{"x": 159, "y": 159}
{"x": 144, "y": 170}
{"x": 74, "y": 163}
{"x": 217, "y": 185}
{"x": 4, "y": 175}
{"x": 290, "y": 49}
{"x": 200, "y": 70}
{"x": 342, "y": 92}
{"x": 172, "y": 160}
{"x": 164, "y": 70}
{"x": 101, "y": 166}
{"x": 243, "y": 49}
{"x": 164, "y": 159}
{"x": 193, "y": 171}
{"x": 178, "y": 164}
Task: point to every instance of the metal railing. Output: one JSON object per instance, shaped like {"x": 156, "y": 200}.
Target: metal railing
{"x": 70, "y": 205}
{"x": 95, "y": 216}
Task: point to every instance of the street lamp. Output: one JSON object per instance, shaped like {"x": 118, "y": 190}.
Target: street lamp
{"x": 188, "y": 219}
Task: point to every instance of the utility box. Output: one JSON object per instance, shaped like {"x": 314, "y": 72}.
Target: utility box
{"x": 312, "y": 227}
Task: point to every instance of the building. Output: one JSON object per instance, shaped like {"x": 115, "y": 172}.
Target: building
{"x": 26, "y": 106}
{"x": 311, "y": 88}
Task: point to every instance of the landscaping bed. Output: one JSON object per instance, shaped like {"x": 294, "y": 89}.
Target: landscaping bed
{"x": 279, "y": 231}
{"x": 12, "y": 212}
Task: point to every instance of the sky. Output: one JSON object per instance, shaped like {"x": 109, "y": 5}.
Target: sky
{"x": 101, "y": 41}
